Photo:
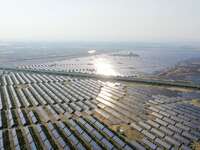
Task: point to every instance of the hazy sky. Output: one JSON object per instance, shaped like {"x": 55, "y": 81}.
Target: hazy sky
{"x": 100, "y": 20}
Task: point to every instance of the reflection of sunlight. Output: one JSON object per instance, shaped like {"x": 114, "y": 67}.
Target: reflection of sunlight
{"x": 103, "y": 67}
{"x": 111, "y": 84}
{"x": 91, "y": 51}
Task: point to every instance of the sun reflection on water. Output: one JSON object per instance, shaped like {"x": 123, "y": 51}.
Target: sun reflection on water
{"x": 104, "y": 67}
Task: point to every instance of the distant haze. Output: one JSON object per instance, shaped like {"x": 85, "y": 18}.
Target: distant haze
{"x": 100, "y": 20}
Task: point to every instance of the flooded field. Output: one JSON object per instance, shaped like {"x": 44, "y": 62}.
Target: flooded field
{"x": 136, "y": 63}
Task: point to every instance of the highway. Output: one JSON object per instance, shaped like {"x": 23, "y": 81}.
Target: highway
{"x": 151, "y": 81}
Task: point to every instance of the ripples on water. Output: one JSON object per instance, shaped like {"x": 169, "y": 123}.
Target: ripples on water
{"x": 150, "y": 60}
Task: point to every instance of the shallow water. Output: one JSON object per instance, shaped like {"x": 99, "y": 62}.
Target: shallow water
{"x": 74, "y": 56}
{"x": 149, "y": 62}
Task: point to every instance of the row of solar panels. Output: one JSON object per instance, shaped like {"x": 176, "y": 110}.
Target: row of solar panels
{"x": 43, "y": 93}
{"x": 80, "y": 133}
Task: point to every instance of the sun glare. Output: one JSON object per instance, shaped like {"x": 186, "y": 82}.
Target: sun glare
{"x": 104, "y": 67}
{"x": 91, "y": 51}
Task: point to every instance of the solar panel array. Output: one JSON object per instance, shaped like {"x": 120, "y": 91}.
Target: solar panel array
{"x": 40, "y": 111}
